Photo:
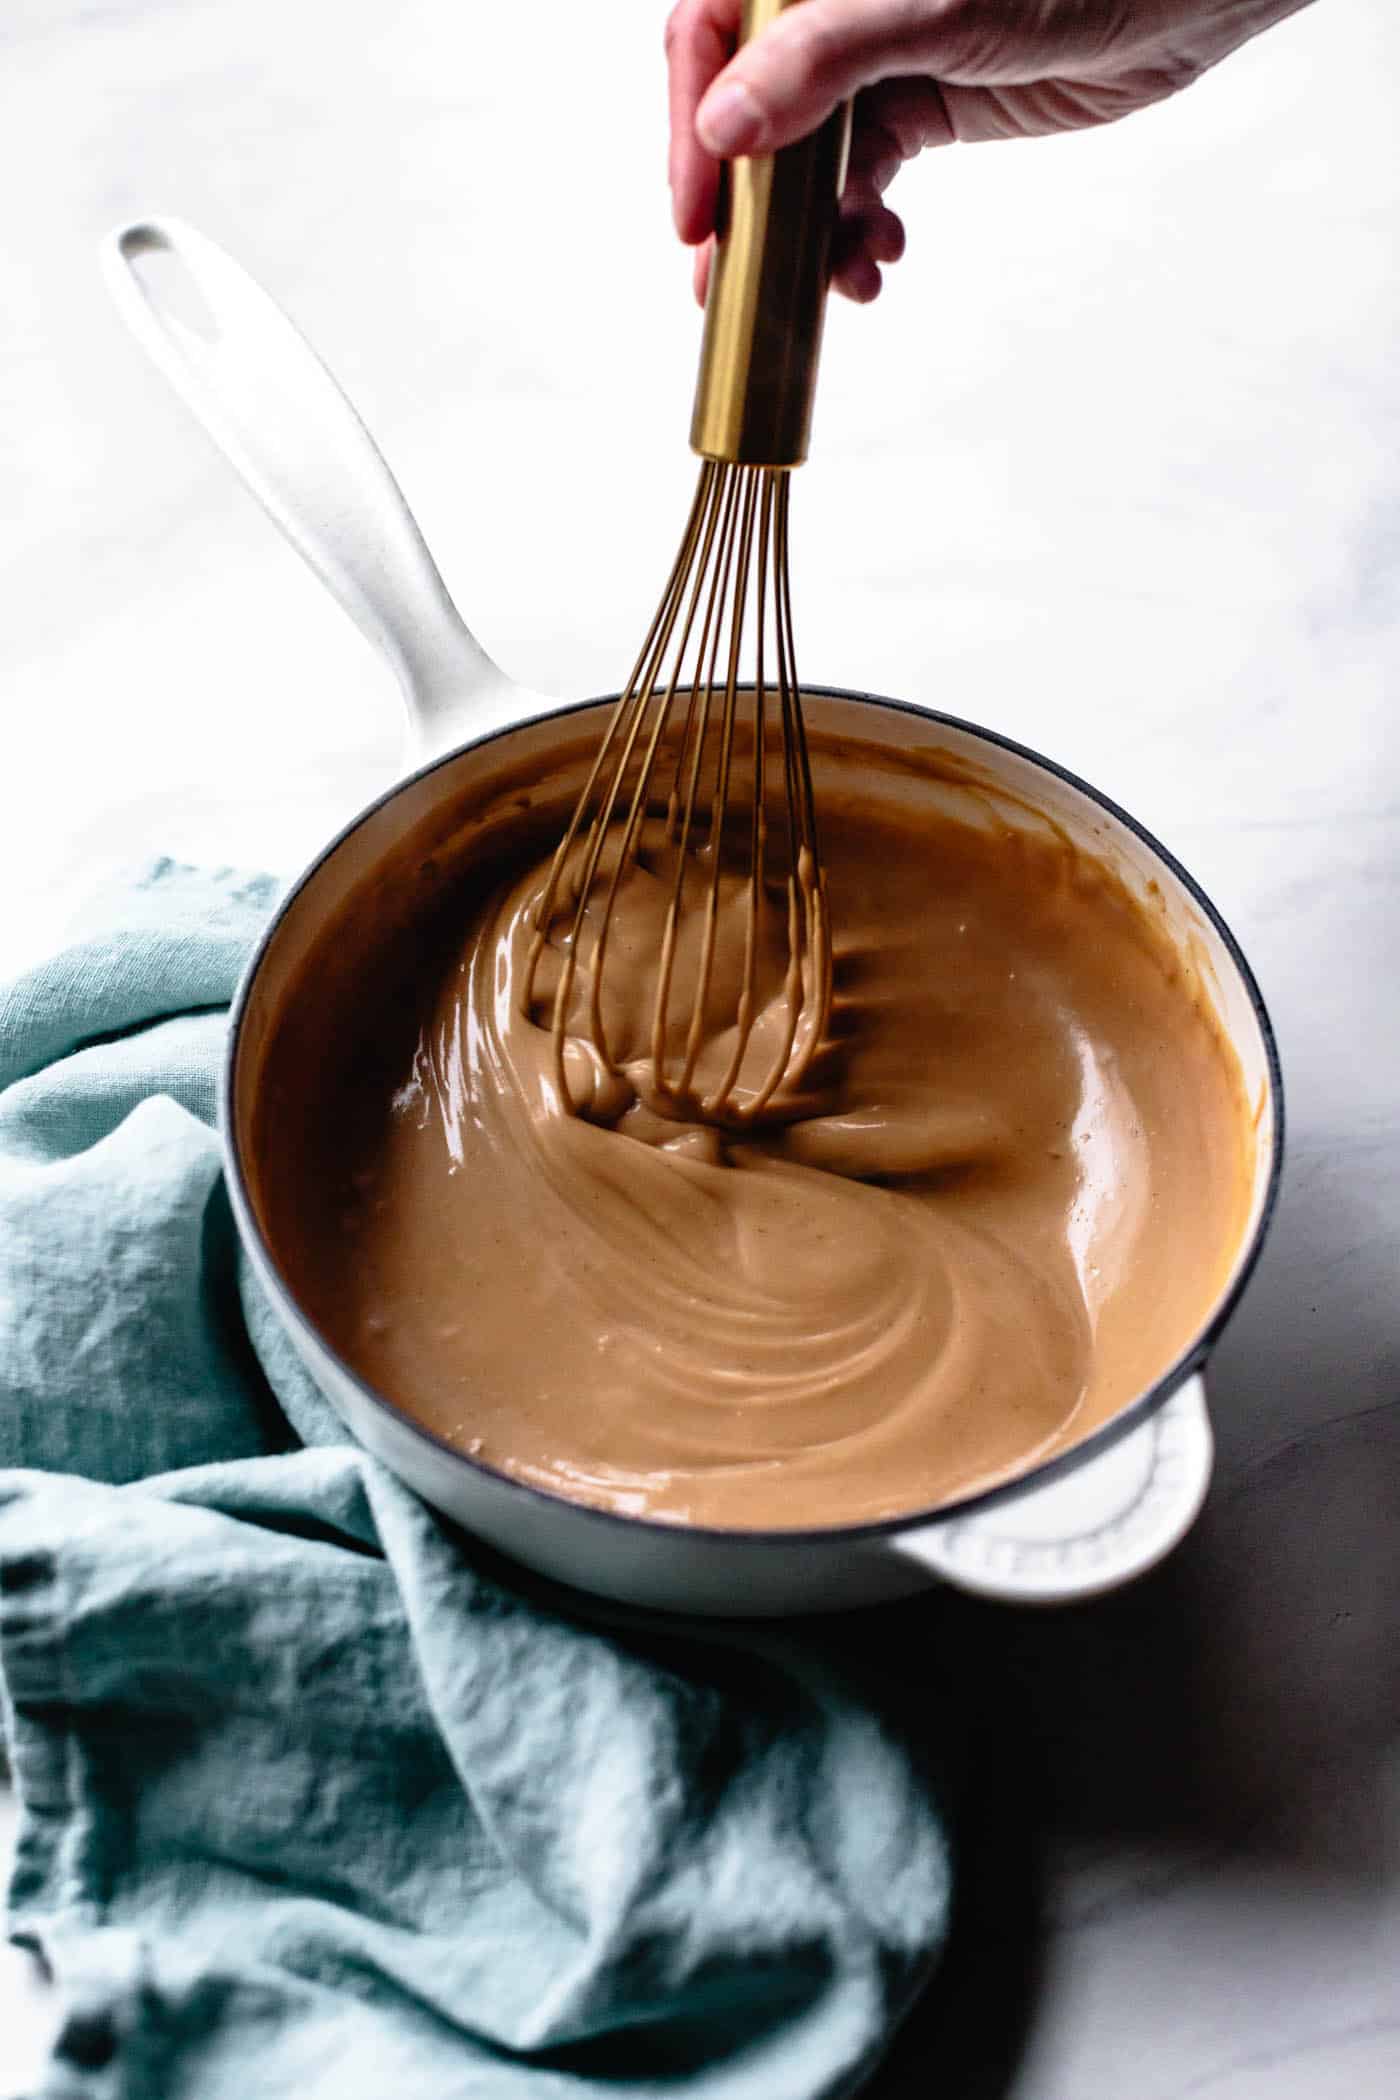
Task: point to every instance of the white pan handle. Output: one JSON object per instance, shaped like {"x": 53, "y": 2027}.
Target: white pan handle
{"x": 1090, "y": 1529}
{"x": 277, "y": 415}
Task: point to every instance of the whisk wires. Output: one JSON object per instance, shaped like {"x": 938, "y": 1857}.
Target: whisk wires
{"x": 702, "y": 781}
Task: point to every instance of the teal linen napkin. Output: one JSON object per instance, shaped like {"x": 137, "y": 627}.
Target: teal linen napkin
{"x": 316, "y": 1797}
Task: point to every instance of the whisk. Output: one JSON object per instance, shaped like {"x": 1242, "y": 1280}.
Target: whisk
{"x": 690, "y": 874}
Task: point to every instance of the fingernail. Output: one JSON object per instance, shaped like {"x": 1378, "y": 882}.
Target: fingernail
{"x": 729, "y": 120}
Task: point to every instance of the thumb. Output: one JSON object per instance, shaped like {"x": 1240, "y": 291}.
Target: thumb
{"x": 787, "y": 80}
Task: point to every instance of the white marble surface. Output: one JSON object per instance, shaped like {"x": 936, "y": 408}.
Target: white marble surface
{"x": 1115, "y": 467}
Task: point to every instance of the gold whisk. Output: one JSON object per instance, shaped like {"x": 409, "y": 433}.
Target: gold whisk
{"x": 697, "y": 821}
{"x": 673, "y": 819}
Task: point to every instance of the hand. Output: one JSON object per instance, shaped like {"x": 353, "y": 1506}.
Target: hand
{"x": 924, "y": 73}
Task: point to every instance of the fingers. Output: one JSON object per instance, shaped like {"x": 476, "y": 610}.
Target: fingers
{"x": 996, "y": 60}
{"x": 894, "y": 121}
{"x": 879, "y": 232}
{"x": 785, "y": 82}
{"x": 874, "y": 159}
{"x": 700, "y": 39}
{"x": 867, "y": 235}
{"x": 907, "y": 114}
{"x": 926, "y": 72}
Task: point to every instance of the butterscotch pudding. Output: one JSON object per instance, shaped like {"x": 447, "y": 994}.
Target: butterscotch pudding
{"x": 1007, "y": 1202}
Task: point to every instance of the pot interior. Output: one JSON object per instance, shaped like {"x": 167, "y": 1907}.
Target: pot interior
{"x": 383, "y": 871}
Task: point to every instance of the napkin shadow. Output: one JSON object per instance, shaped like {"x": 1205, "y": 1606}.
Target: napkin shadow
{"x": 967, "y": 2033}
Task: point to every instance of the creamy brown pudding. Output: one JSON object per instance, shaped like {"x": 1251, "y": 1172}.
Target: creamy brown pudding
{"x": 1007, "y": 1202}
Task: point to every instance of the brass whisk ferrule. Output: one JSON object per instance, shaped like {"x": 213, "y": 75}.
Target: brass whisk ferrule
{"x": 767, "y": 294}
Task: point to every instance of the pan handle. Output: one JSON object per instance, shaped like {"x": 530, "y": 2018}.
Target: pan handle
{"x": 1098, "y": 1525}
{"x": 282, "y": 422}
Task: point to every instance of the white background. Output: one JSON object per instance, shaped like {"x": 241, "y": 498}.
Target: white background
{"x": 1113, "y": 466}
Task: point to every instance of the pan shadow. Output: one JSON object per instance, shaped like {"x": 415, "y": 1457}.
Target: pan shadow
{"x": 1239, "y": 1702}
{"x": 968, "y": 2030}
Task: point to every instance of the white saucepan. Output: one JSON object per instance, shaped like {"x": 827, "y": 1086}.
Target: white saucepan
{"x": 1085, "y": 1523}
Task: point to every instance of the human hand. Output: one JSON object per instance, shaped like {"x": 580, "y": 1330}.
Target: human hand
{"x": 924, "y": 73}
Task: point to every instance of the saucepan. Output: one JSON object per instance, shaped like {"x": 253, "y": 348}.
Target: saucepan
{"x": 1090, "y": 1520}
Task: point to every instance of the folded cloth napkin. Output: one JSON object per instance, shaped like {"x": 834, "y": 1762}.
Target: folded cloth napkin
{"x": 316, "y": 1798}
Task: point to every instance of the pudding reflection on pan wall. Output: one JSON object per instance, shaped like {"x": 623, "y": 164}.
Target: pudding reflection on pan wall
{"x": 1088, "y": 1522}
